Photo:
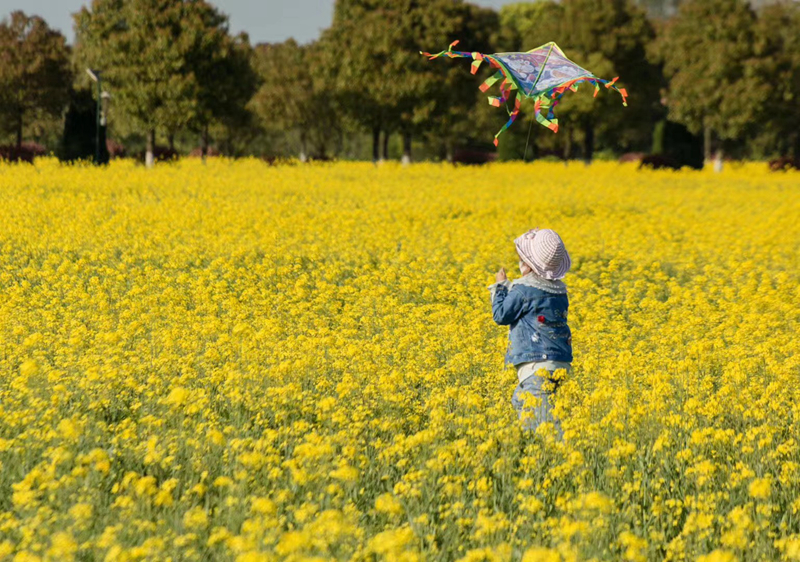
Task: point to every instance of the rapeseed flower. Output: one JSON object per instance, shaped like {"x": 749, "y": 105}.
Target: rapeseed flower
{"x": 246, "y": 362}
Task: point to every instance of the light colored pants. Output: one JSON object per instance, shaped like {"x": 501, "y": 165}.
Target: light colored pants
{"x": 532, "y": 399}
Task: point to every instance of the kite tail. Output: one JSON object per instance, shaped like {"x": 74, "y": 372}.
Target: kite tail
{"x": 550, "y": 121}
{"x": 451, "y": 53}
{"x": 612, "y": 84}
{"x": 511, "y": 118}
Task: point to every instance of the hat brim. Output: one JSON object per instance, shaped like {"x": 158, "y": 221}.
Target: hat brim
{"x": 559, "y": 273}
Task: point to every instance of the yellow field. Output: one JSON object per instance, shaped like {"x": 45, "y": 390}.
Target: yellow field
{"x": 236, "y": 361}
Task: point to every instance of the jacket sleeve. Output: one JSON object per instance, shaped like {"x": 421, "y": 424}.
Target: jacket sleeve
{"x": 507, "y": 306}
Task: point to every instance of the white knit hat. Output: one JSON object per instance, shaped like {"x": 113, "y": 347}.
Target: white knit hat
{"x": 544, "y": 251}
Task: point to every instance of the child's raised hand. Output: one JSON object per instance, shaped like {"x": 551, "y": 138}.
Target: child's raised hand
{"x": 501, "y": 275}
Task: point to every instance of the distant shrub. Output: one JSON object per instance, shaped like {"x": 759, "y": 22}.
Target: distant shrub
{"x": 631, "y": 157}
{"x": 115, "y": 149}
{"x": 25, "y": 153}
{"x": 198, "y": 152}
{"x": 784, "y": 164}
{"x": 160, "y": 154}
{"x": 659, "y": 161}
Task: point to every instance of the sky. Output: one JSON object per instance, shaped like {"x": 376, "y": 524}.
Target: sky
{"x": 266, "y": 21}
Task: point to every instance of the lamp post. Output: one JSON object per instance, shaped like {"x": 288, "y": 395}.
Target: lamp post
{"x": 95, "y": 75}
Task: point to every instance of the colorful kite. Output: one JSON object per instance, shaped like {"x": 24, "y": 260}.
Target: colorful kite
{"x": 543, "y": 74}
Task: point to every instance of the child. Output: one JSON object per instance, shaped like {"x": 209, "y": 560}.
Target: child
{"x": 535, "y": 307}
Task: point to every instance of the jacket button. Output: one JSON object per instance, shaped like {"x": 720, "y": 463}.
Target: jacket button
{"x": 544, "y": 356}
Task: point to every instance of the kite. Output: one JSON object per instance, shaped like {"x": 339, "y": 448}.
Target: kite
{"x": 543, "y": 74}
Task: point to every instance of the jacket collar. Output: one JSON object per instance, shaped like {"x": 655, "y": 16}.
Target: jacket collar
{"x": 550, "y": 286}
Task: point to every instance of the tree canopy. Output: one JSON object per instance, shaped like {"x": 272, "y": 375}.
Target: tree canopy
{"x": 34, "y": 72}
{"x": 725, "y": 69}
{"x": 709, "y": 54}
{"x": 171, "y": 63}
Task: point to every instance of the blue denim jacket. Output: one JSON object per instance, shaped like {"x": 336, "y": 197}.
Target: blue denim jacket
{"x": 536, "y": 312}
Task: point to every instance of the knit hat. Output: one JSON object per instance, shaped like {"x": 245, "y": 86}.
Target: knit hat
{"x": 544, "y": 251}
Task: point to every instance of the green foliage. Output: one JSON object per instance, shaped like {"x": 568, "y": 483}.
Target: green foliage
{"x": 529, "y": 24}
{"x": 374, "y": 47}
{"x": 609, "y": 38}
{"x": 34, "y": 73}
{"x": 297, "y": 95}
{"x": 171, "y": 64}
{"x": 710, "y": 59}
{"x": 778, "y": 49}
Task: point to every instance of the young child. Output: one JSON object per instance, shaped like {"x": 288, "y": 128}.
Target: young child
{"x": 535, "y": 308}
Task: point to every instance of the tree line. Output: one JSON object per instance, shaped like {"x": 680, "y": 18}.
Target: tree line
{"x": 703, "y": 76}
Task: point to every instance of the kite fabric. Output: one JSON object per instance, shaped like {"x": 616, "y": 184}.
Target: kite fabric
{"x": 543, "y": 74}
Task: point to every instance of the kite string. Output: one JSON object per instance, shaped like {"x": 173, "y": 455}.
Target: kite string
{"x": 525, "y": 154}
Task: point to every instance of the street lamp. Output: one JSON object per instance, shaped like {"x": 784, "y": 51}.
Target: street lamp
{"x": 95, "y": 75}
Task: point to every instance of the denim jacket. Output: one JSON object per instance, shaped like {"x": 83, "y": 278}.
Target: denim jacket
{"x": 535, "y": 309}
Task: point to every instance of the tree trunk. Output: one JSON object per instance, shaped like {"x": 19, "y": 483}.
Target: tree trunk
{"x": 204, "y": 147}
{"x": 659, "y": 135}
{"x": 19, "y": 132}
{"x": 171, "y": 142}
{"x": 567, "y": 147}
{"x": 707, "y": 144}
{"x": 149, "y": 160}
{"x": 303, "y": 149}
{"x": 796, "y": 146}
{"x": 321, "y": 151}
{"x": 588, "y": 143}
{"x": 718, "y": 162}
{"x": 339, "y": 144}
{"x": 376, "y": 142}
{"x": 385, "y": 154}
{"x": 406, "y": 148}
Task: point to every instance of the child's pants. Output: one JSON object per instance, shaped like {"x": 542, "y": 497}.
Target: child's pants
{"x": 532, "y": 399}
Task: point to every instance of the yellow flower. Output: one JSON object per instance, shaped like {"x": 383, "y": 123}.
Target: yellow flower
{"x": 394, "y": 544}
{"x": 81, "y": 511}
{"x": 307, "y": 353}
{"x": 290, "y": 542}
{"x": 146, "y": 486}
{"x": 178, "y": 396}
{"x": 387, "y": 503}
{"x": 69, "y": 429}
{"x": 195, "y": 518}
{"x": 717, "y": 556}
{"x": 62, "y": 547}
{"x": 263, "y": 506}
{"x": 222, "y": 482}
{"x": 538, "y": 554}
{"x": 29, "y": 367}
{"x": 760, "y": 488}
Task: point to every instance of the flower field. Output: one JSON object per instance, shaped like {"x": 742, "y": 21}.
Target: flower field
{"x": 233, "y": 361}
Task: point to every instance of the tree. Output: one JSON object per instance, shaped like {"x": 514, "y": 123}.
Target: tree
{"x": 222, "y": 65}
{"x": 778, "y": 52}
{"x": 709, "y": 57}
{"x": 453, "y": 115}
{"x": 386, "y": 86}
{"x": 166, "y": 60}
{"x": 34, "y": 72}
{"x": 359, "y": 51}
{"x": 296, "y": 95}
{"x": 609, "y": 38}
